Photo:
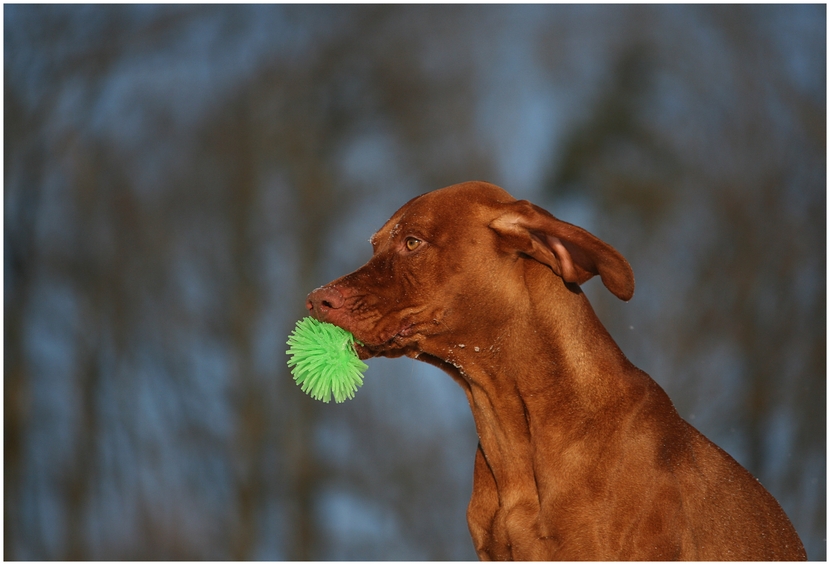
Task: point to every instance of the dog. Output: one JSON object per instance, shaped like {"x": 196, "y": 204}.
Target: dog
{"x": 581, "y": 455}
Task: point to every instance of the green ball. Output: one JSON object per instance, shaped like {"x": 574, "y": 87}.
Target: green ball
{"x": 323, "y": 360}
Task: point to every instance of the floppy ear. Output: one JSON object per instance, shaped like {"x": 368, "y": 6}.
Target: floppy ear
{"x": 570, "y": 251}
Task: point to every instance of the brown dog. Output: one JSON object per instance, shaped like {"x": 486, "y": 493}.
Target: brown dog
{"x": 581, "y": 456}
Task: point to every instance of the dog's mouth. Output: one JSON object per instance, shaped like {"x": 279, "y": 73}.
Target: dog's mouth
{"x": 399, "y": 343}
{"x": 391, "y": 335}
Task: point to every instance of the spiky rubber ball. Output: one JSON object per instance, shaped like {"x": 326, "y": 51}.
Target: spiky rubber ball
{"x": 324, "y": 361}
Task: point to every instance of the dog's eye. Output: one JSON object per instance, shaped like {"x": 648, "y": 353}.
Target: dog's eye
{"x": 412, "y": 243}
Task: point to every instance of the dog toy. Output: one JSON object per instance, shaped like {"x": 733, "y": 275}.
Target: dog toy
{"x": 323, "y": 360}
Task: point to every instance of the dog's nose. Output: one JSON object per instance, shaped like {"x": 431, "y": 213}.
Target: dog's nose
{"x": 321, "y": 301}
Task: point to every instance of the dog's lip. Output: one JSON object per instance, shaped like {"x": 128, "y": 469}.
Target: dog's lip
{"x": 363, "y": 352}
{"x": 367, "y": 351}
{"x": 367, "y": 348}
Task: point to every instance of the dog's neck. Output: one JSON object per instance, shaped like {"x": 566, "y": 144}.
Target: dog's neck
{"x": 519, "y": 415}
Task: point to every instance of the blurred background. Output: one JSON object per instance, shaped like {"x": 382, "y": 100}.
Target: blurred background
{"x": 178, "y": 178}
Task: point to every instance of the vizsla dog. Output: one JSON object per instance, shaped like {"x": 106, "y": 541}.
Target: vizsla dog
{"x": 581, "y": 455}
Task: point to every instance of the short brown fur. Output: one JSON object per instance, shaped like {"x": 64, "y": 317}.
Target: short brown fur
{"x": 582, "y": 456}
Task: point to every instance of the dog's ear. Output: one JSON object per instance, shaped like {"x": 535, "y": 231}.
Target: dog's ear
{"x": 570, "y": 251}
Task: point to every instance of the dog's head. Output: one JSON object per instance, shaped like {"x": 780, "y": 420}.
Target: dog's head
{"x": 456, "y": 260}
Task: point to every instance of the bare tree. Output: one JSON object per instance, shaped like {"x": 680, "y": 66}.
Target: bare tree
{"x": 179, "y": 178}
